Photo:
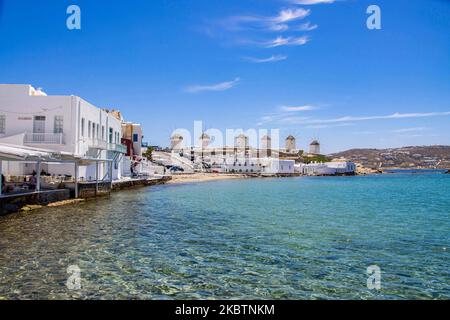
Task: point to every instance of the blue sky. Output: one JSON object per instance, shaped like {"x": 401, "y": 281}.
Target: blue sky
{"x": 311, "y": 70}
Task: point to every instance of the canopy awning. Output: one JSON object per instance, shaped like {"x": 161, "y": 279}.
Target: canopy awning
{"x": 21, "y": 153}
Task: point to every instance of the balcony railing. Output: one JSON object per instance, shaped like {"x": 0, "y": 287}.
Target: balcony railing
{"x": 44, "y": 138}
{"x": 117, "y": 147}
{"x": 99, "y": 144}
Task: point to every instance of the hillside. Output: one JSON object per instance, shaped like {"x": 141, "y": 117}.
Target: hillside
{"x": 406, "y": 157}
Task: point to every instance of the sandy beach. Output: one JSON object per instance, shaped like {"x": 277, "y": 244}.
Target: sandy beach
{"x": 203, "y": 177}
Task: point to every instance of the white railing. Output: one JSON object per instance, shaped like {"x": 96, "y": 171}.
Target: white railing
{"x": 44, "y": 138}
{"x": 99, "y": 144}
{"x": 117, "y": 147}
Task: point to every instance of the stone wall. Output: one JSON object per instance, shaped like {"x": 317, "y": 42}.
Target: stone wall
{"x": 122, "y": 185}
{"x": 88, "y": 190}
{"x": 13, "y": 203}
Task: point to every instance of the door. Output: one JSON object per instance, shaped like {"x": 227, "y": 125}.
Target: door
{"x": 39, "y": 129}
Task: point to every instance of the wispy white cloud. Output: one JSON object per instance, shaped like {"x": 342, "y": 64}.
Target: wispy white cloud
{"x": 273, "y": 58}
{"x": 298, "y": 108}
{"x": 253, "y": 29}
{"x": 288, "y": 15}
{"x": 214, "y": 87}
{"x": 350, "y": 119}
{"x": 311, "y": 2}
{"x": 307, "y": 26}
{"x": 418, "y": 135}
{"x": 279, "y": 27}
{"x": 415, "y": 129}
{"x": 287, "y": 115}
{"x": 270, "y": 23}
{"x": 326, "y": 126}
{"x": 281, "y": 118}
{"x": 286, "y": 41}
{"x": 382, "y": 117}
{"x": 363, "y": 132}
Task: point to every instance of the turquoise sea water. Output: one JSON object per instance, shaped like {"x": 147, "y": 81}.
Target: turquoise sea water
{"x": 291, "y": 238}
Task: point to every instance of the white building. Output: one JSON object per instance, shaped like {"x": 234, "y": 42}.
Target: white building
{"x": 342, "y": 167}
{"x": 316, "y": 169}
{"x": 241, "y": 166}
{"x": 277, "y": 166}
{"x": 29, "y": 117}
{"x": 134, "y": 134}
{"x": 259, "y": 165}
{"x": 327, "y": 168}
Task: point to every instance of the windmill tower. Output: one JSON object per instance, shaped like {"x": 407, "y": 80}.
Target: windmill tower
{"x": 176, "y": 142}
{"x": 290, "y": 144}
{"x": 265, "y": 149}
{"x": 314, "y": 147}
{"x": 205, "y": 140}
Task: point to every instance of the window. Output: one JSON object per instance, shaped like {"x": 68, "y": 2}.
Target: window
{"x": 89, "y": 129}
{"x": 103, "y": 133}
{"x": 98, "y": 130}
{"x": 2, "y": 124}
{"x": 135, "y": 137}
{"x": 82, "y": 126}
{"x": 93, "y": 130}
{"x": 59, "y": 124}
{"x": 110, "y": 135}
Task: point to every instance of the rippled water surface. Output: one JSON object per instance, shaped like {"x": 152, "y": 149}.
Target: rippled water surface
{"x": 293, "y": 238}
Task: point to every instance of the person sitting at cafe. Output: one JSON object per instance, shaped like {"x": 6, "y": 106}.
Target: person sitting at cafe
{"x": 33, "y": 181}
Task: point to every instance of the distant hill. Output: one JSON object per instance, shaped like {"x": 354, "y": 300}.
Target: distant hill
{"x": 407, "y": 157}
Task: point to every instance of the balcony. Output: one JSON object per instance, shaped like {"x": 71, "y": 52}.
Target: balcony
{"x": 44, "y": 138}
{"x": 98, "y": 144}
{"x": 115, "y": 147}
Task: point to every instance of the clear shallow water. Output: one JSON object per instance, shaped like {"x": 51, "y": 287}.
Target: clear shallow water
{"x": 293, "y": 238}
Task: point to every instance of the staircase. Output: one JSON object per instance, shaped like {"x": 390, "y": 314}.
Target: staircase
{"x": 172, "y": 159}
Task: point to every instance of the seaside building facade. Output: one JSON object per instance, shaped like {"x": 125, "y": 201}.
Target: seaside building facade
{"x": 342, "y": 166}
{"x": 132, "y": 135}
{"x": 277, "y": 166}
{"x": 259, "y": 165}
{"x": 327, "y": 168}
{"x": 31, "y": 118}
{"x": 134, "y": 163}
